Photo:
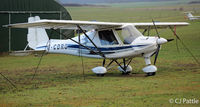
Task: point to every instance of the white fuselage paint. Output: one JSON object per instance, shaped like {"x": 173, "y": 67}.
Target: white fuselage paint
{"x": 141, "y": 45}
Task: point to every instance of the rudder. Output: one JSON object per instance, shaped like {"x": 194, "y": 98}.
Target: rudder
{"x": 36, "y": 36}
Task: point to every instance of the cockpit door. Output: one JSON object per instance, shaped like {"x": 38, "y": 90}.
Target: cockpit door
{"x": 108, "y": 38}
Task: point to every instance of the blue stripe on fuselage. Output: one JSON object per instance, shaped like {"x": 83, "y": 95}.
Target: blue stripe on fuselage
{"x": 101, "y": 49}
{"x": 41, "y": 47}
{"x": 106, "y": 49}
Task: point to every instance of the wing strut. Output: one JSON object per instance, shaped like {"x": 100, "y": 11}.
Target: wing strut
{"x": 119, "y": 64}
{"x": 144, "y": 31}
{"x": 80, "y": 55}
{"x": 91, "y": 41}
{"x": 79, "y": 43}
{"x": 124, "y": 66}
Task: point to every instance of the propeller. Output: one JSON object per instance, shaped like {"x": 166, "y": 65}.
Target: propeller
{"x": 169, "y": 40}
{"x": 159, "y": 42}
{"x": 155, "y": 28}
{"x": 156, "y": 54}
{"x": 158, "y": 48}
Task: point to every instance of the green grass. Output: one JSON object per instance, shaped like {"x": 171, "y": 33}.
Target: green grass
{"x": 149, "y": 4}
{"x": 59, "y": 80}
{"x": 120, "y": 14}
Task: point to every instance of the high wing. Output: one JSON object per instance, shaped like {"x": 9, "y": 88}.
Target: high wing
{"x": 67, "y": 24}
{"x": 159, "y": 25}
{"x": 89, "y": 25}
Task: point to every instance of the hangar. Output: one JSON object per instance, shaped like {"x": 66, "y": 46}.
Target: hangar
{"x": 17, "y": 11}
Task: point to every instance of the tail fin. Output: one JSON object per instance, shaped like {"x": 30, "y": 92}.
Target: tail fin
{"x": 189, "y": 15}
{"x": 36, "y": 36}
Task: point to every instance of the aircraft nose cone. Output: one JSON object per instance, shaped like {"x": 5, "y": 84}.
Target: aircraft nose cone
{"x": 161, "y": 41}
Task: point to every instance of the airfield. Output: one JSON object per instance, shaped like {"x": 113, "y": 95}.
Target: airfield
{"x": 60, "y": 81}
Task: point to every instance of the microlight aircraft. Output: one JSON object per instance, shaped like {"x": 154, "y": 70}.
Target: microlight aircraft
{"x": 105, "y": 40}
{"x": 191, "y": 17}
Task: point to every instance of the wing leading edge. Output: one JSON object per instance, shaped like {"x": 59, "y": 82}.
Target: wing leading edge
{"x": 89, "y": 25}
{"x": 66, "y": 24}
{"x": 159, "y": 25}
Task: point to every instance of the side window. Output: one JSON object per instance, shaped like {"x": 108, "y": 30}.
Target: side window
{"x": 107, "y": 37}
{"x": 125, "y": 36}
{"x": 128, "y": 34}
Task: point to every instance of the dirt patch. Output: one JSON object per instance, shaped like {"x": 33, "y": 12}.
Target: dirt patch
{"x": 3, "y": 54}
{"x": 125, "y": 75}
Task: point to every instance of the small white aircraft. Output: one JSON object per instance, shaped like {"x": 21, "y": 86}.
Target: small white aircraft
{"x": 191, "y": 17}
{"x": 104, "y": 40}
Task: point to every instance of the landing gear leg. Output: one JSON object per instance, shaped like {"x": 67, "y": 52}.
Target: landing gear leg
{"x": 125, "y": 68}
{"x": 150, "y": 70}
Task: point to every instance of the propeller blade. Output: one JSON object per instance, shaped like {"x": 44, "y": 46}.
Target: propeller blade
{"x": 156, "y": 56}
{"x": 169, "y": 40}
{"x": 156, "y": 28}
{"x": 158, "y": 48}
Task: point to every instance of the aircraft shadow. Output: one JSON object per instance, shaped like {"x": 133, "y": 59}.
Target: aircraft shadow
{"x": 118, "y": 75}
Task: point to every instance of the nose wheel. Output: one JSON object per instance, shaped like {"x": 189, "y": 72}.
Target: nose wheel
{"x": 150, "y": 70}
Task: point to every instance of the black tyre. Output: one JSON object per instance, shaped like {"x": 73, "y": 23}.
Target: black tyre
{"x": 100, "y": 75}
{"x": 151, "y": 73}
{"x": 126, "y": 73}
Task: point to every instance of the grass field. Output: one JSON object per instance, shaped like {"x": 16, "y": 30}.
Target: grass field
{"x": 59, "y": 81}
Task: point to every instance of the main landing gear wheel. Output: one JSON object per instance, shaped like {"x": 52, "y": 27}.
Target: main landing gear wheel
{"x": 126, "y": 68}
{"x": 151, "y": 74}
{"x": 99, "y": 71}
{"x": 126, "y": 73}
